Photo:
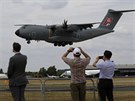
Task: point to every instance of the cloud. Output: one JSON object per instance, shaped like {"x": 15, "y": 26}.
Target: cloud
{"x": 55, "y": 4}
{"x": 45, "y": 4}
{"x": 17, "y": 1}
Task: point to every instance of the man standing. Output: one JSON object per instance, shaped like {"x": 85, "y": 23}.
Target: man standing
{"x": 107, "y": 67}
{"x": 16, "y": 73}
{"x": 77, "y": 66}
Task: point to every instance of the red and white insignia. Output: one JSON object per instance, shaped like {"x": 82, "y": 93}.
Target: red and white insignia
{"x": 107, "y": 21}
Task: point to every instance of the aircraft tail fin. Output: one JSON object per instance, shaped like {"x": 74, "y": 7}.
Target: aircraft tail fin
{"x": 111, "y": 18}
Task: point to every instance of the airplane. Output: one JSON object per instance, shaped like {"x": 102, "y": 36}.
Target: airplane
{"x": 67, "y": 34}
{"x": 67, "y": 73}
{"x": 52, "y": 77}
{"x": 3, "y": 76}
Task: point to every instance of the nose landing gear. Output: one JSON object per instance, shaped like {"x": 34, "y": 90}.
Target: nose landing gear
{"x": 28, "y": 41}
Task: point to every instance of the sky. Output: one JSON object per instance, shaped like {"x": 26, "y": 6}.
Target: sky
{"x": 42, "y": 12}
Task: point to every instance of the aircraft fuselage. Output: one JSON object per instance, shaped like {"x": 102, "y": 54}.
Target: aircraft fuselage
{"x": 40, "y": 33}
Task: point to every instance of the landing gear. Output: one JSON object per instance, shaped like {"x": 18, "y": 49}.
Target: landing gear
{"x": 55, "y": 44}
{"x": 62, "y": 43}
{"x": 28, "y": 41}
{"x": 70, "y": 43}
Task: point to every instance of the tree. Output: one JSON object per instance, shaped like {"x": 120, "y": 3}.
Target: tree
{"x": 42, "y": 72}
{"x": 1, "y": 70}
{"x": 51, "y": 71}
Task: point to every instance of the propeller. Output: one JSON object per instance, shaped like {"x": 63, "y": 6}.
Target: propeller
{"x": 64, "y": 26}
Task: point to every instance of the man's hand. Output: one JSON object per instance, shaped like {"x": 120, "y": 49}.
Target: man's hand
{"x": 70, "y": 49}
{"x": 67, "y": 52}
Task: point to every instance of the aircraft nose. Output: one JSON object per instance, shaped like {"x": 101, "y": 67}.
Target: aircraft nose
{"x": 17, "y": 32}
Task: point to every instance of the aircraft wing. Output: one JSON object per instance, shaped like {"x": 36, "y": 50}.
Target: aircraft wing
{"x": 70, "y": 27}
{"x": 85, "y": 26}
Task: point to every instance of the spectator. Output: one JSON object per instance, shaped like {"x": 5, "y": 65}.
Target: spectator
{"x": 16, "y": 73}
{"x": 107, "y": 67}
{"x": 77, "y": 66}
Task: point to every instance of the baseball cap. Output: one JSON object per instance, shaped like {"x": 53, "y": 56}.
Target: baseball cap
{"x": 77, "y": 51}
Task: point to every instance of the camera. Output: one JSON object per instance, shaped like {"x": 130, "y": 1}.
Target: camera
{"x": 100, "y": 57}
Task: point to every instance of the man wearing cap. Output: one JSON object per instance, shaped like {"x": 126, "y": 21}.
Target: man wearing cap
{"x": 107, "y": 67}
{"x": 77, "y": 66}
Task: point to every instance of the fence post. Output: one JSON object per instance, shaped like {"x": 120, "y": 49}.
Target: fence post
{"x": 42, "y": 80}
{"x": 94, "y": 89}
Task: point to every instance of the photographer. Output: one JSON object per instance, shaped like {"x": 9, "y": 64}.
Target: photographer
{"x": 107, "y": 67}
{"x": 77, "y": 66}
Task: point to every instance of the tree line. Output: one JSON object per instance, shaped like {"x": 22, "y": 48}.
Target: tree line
{"x": 43, "y": 72}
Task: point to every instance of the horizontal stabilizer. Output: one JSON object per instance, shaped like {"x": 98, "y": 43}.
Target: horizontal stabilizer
{"x": 121, "y": 11}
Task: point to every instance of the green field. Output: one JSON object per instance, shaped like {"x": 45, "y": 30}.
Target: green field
{"x": 65, "y": 96}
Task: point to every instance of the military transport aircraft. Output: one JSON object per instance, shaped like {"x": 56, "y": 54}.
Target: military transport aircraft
{"x": 61, "y": 35}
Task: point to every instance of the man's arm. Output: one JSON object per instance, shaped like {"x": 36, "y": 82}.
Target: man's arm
{"x": 95, "y": 62}
{"x": 65, "y": 55}
{"x": 67, "y": 52}
{"x": 85, "y": 54}
{"x": 10, "y": 68}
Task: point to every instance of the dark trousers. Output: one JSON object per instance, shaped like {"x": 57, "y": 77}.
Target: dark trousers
{"x": 18, "y": 92}
{"x": 78, "y": 92}
{"x": 105, "y": 89}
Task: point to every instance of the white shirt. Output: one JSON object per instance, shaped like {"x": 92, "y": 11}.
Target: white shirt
{"x": 107, "y": 69}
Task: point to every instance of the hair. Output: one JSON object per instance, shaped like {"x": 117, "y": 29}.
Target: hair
{"x": 16, "y": 46}
{"x": 108, "y": 54}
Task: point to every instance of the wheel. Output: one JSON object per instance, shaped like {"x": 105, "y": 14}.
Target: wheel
{"x": 28, "y": 42}
{"x": 55, "y": 44}
{"x": 63, "y": 44}
{"x": 59, "y": 44}
{"x": 70, "y": 43}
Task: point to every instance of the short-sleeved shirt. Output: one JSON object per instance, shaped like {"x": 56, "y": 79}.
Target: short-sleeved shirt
{"x": 77, "y": 67}
{"x": 107, "y": 69}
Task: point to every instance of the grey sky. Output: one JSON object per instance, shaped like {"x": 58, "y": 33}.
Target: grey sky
{"x": 43, "y": 54}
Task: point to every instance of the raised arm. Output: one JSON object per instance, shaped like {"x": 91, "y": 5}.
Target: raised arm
{"x": 95, "y": 62}
{"x": 84, "y": 53}
{"x": 67, "y": 52}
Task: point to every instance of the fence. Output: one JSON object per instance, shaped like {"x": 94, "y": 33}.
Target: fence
{"x": 59, "y": 90}
{"x": 46, "y": 90}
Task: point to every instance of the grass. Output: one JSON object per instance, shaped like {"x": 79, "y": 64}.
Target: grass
{"x": 124, "y": 96}
{"x": 65, "y": 96}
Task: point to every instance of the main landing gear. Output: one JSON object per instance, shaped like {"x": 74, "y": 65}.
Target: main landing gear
{"x": 62, "y": 43}
{"x": 28, "y": 41}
